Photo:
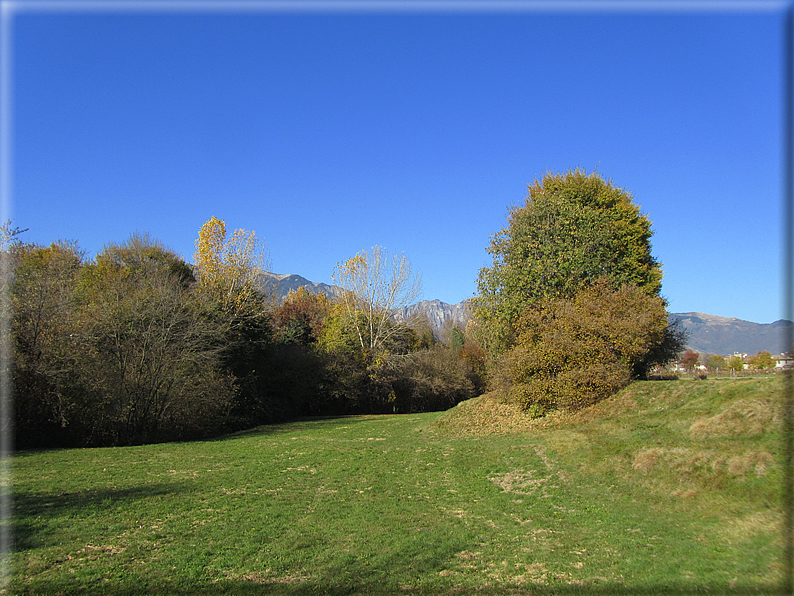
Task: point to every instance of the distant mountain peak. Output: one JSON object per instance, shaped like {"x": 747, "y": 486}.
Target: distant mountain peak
{"x": 710, "y": 318}
{"x": 279, "y": 285}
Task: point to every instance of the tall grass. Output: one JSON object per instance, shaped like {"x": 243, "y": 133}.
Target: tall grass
{"x": 669, "y": 487}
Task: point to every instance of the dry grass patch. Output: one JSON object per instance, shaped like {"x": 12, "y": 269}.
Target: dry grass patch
{"x": 489, "y": 414}
{"x": 743, "y": 528}
{"x": 742, "y": 417}
{"x": 262, "y": 577}
{"x": 685, "y": 493}
{"x": 757, "y": 461}
{"x": 647, "y": 459}
{"x": 502, "y": 573}
{"x": 520, "y": 482}
{"x": 682, "y": 460}
{"x": 494, "y": 414}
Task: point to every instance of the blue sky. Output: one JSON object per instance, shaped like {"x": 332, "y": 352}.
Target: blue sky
{"x": 328, "y": 132}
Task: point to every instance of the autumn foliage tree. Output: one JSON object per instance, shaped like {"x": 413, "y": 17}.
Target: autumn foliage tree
{"x": 735, "y": 364}
{"x": 761, "y": 361}
{"x": 228, "y": 270}
{"x": 716, "y": 363}
{"x": 296, "y": 368}
{"x": 576, "y": 235}
{"x": 227, "y": 267}
{"x": 573, "y": 229}
{"x": 301, "y": 317}
{"x": 689, "y": 360}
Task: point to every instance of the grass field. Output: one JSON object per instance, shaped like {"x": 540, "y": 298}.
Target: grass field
{"x": 667, "y": 488}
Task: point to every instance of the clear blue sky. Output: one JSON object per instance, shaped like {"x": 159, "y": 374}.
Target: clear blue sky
{"x": 330, "y": 132}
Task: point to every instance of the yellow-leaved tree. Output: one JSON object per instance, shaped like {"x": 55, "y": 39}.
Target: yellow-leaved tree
{"x": 227, "y": 266}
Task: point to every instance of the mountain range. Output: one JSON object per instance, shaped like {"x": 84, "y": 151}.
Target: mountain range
{"x": 708, "y": 334}
{"x": 711, "y": 334}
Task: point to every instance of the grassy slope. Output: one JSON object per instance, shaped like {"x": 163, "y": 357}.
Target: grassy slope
{"x": 669, "y": 487}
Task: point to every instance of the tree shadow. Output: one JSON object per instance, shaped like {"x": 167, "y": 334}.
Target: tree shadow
{"x": 300, "y": 424}
{"x": 30, "y": 506}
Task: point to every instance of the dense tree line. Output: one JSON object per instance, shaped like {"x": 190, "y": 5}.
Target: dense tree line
{"x": 137, "y": 346}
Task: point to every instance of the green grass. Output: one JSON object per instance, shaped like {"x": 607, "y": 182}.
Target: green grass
{"x": 670, "y": 487}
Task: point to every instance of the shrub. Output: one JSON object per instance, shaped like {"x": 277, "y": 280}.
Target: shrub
{"x": 573, "y": 353}
{"x": 116, "y": 351}
{"x": 429, "y": 380}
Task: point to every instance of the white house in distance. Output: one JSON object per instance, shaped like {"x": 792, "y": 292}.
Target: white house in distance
{"x": 783, "y": 361}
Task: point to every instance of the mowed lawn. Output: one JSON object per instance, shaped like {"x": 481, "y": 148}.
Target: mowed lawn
{"x": 669, "y": 487}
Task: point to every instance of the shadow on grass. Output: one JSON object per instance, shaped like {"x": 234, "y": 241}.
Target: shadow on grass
{"x": 368, "y": 588}
{"x": 605, "y": 590}
{"x": 28, "y": 507}
{"x": 301, "y": 424}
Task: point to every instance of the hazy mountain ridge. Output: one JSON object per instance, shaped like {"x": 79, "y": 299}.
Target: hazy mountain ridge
{"x": 710, "y": 334}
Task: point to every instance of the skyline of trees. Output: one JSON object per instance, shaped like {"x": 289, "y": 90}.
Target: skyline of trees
{"x": 137, "y": 346}
{"x": 117, "y": 350}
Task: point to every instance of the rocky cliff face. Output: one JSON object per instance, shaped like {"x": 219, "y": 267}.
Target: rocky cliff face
{"x": 439, "y": 313}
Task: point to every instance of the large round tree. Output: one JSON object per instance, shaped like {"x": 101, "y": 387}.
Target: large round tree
{"x": 573, "y": 229}
{"x": 571, "y": 309}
